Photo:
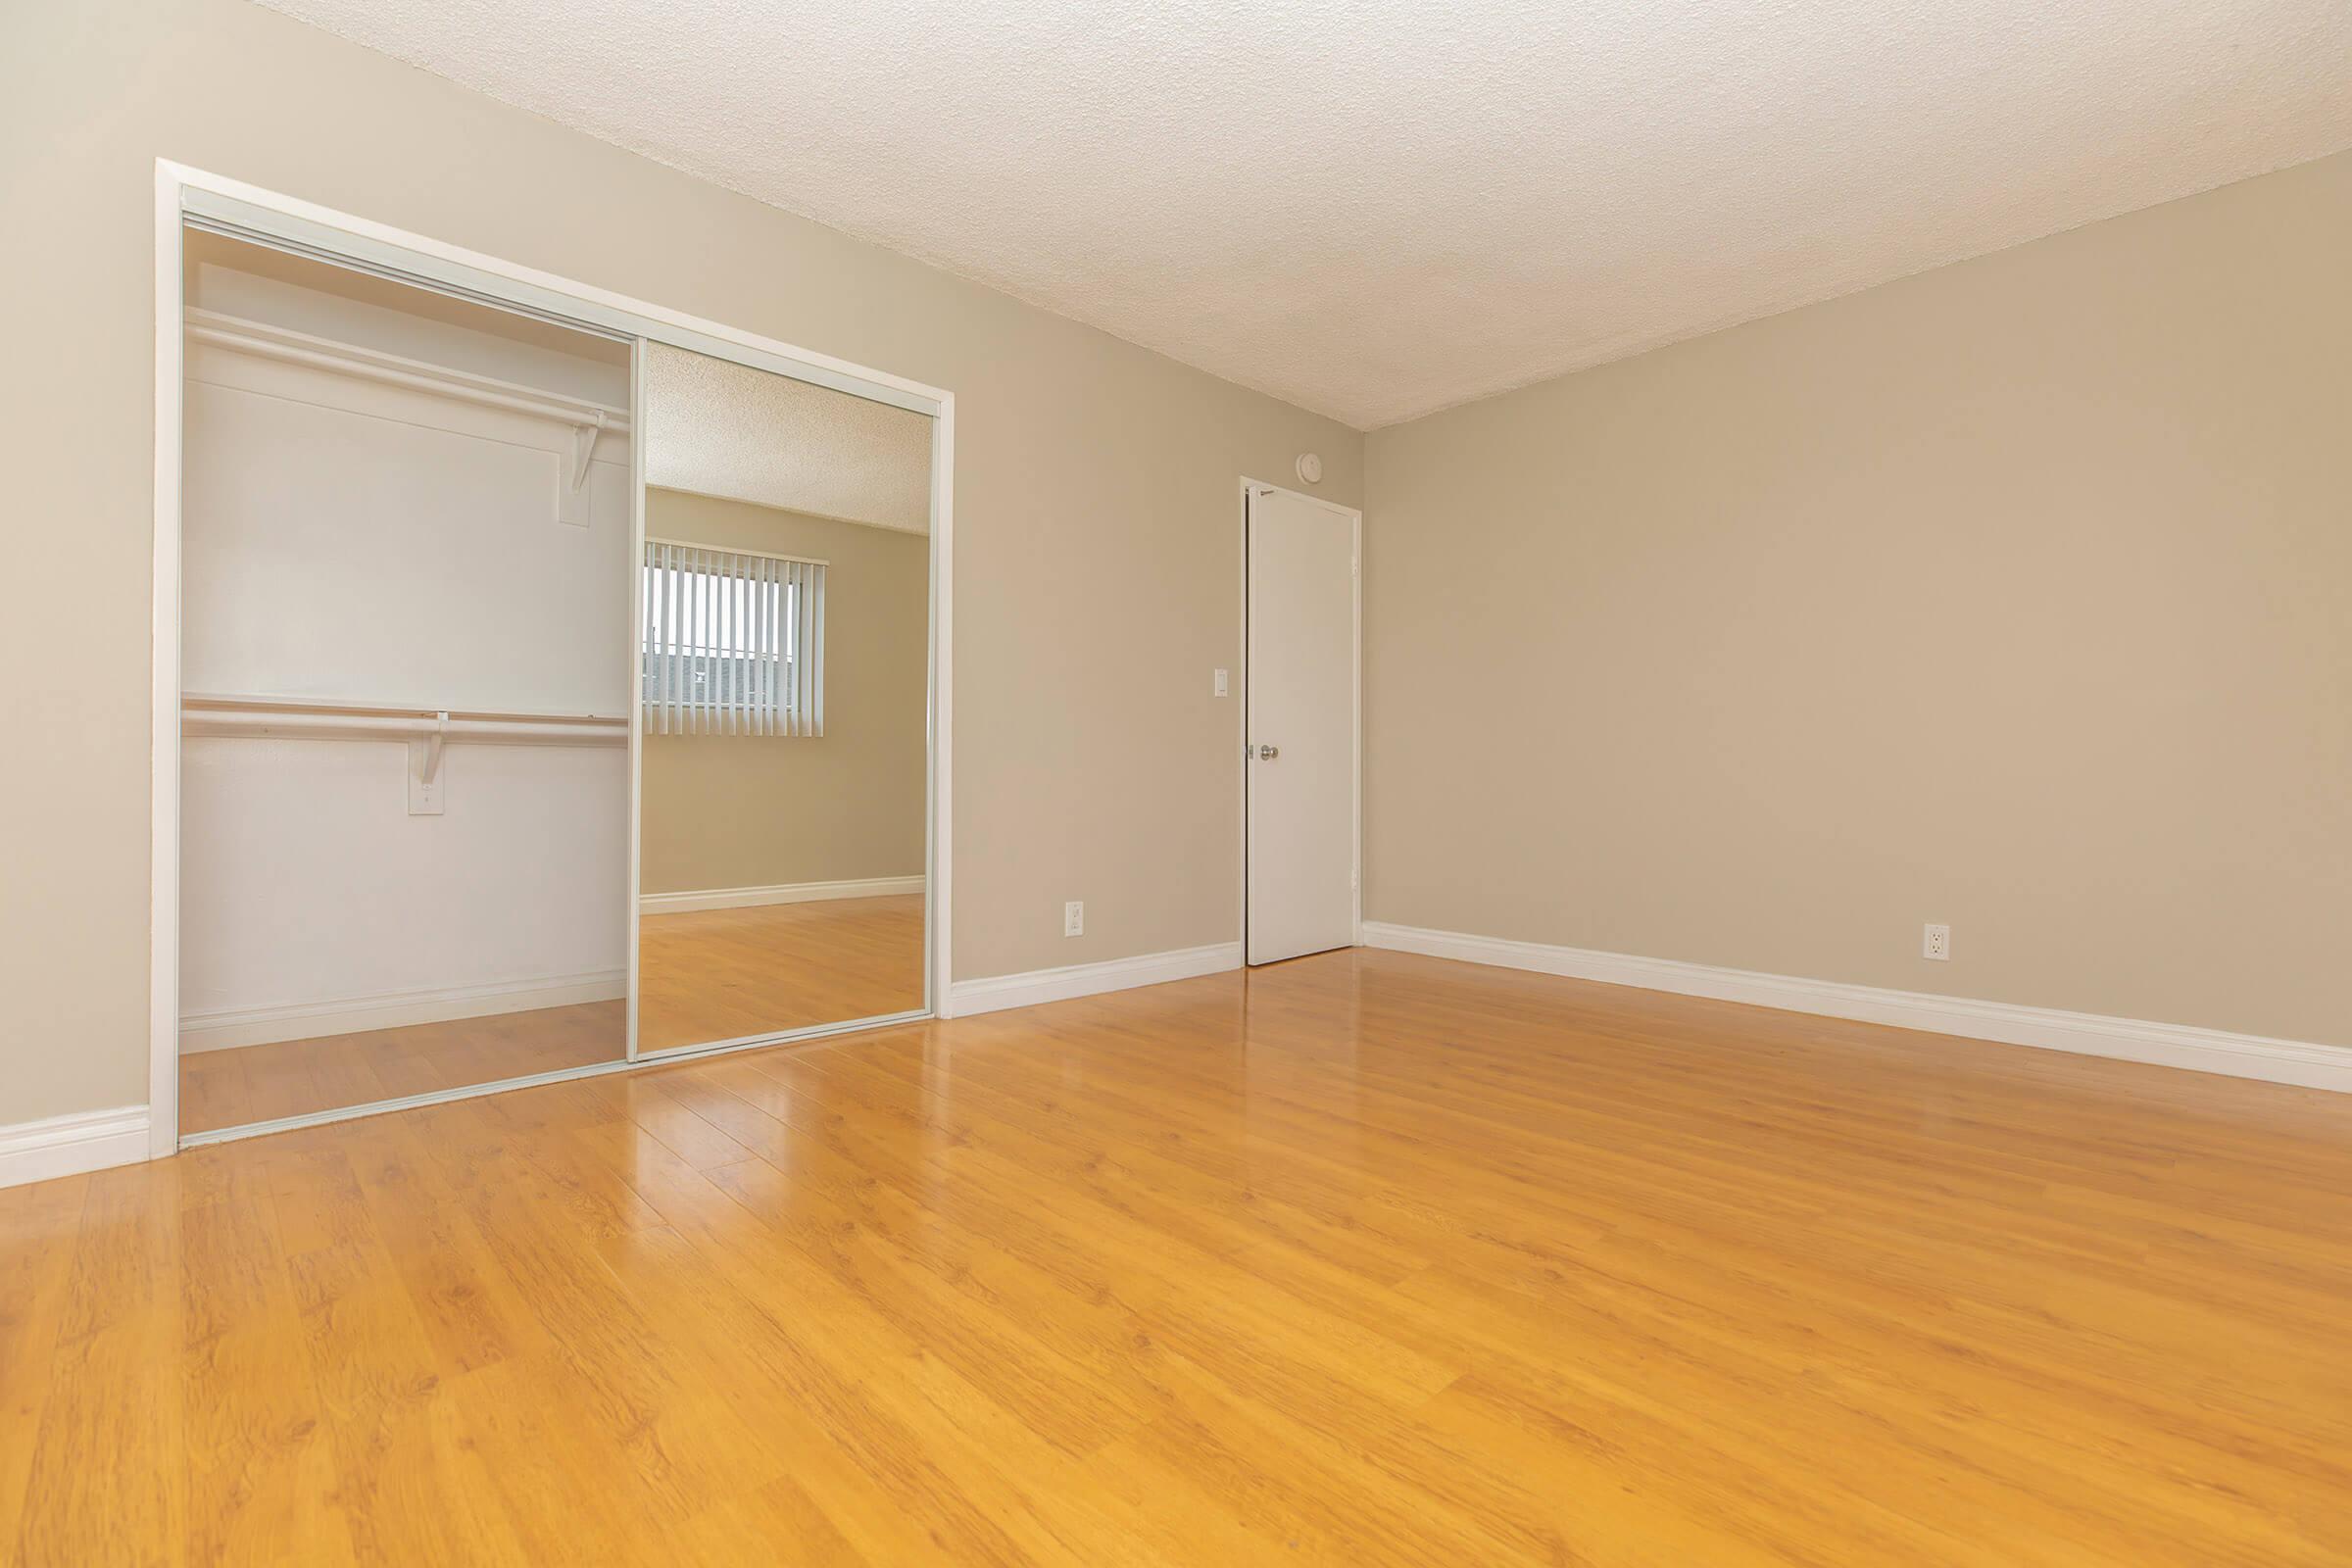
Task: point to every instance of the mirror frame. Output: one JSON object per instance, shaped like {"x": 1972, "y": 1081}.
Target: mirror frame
{"x": 192, "y": 197}
{"x": 934, "y": 977}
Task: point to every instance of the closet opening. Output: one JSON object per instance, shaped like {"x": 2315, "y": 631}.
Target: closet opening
{"x": 405, "y": 525}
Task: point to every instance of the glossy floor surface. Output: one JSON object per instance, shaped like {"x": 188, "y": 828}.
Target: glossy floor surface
{"x": 721, "y": 974}
{"x": 706, "y": 974}
{"x": 249, "y": 1084}
{"x": 1361, "y": 1260}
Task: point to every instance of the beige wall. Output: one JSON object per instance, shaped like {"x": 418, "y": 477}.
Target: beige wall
{"x": 2016, "y": 594}
{"x": 736, "y": 811}
{"x": 1097, "y": 550}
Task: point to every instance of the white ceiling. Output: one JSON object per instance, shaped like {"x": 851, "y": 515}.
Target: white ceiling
{"x": 724, "y": 429}
{"x": 1379, "y": 209}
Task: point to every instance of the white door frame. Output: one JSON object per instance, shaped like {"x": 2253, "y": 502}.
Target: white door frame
{"x": 1355, "y": 664}
{"x": 180, "y": 190}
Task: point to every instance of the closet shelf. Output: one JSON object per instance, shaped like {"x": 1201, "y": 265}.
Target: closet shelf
{"x": 262, "y": 340}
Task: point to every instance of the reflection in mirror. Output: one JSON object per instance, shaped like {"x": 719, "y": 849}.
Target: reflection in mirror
{"x": 785, "y": 641}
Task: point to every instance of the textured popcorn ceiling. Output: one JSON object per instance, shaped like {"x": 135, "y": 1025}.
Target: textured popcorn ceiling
{"x": 1379, "y": 209}
{"x": 718, "y": 428}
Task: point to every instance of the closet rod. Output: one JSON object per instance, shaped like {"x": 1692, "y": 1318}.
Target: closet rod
{"x": 260, "y": 702}
{"x": 220, "y": 721}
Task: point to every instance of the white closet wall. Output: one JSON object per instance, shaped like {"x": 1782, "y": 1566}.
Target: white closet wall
{"x": 314, "y": 904}
{"x": 346, "y": 554}
{"x": 377, "y": 540}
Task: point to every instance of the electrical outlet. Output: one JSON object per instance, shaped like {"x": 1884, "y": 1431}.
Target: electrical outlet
{"x": 1073, "y": 918}
{"x": 1936, "y": 943}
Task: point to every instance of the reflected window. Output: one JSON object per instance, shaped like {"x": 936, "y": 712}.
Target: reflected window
{"x": 732, "y": 642}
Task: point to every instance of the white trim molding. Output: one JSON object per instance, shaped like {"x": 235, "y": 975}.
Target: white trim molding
{"x": 998, "y": 992}
{"x": 230, "y": 1028}
{"x": 2164, "y": 1044}
{"x": 872, "y": 887}
{"x": 68, "y": 1146}
{"x": 163, "y": 744}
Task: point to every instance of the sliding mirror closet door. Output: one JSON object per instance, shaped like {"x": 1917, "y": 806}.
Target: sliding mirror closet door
{"x": 784, "y": 636}
{"x": 407, "y": 670}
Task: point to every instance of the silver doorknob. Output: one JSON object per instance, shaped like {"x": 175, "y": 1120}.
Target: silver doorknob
{"x": 1267, "y": 754}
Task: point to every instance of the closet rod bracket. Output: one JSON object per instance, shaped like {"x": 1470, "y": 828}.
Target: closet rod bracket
{"x": 425, "y": 768}
{"x": 571, "y": 500}
{"x": 583, "y": 448}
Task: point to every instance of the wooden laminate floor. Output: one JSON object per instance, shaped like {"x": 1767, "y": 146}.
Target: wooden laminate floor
{"x": 1361, "y": 1260}
{"x": 705, "y": 975}
{"x": 249, "y": 1083}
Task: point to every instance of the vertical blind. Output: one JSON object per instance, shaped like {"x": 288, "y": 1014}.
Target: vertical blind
{"x": 733, "y": 643}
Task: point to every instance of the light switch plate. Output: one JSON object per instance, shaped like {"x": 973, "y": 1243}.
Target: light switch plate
{"x": 1220, "y": 691}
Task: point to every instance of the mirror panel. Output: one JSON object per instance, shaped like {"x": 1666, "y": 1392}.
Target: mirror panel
{"x": 784, "y": 633}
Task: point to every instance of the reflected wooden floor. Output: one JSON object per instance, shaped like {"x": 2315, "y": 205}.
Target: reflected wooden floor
{"x": 1361, "y": 1260}
{"x": 297, "y": 1077}
{"x": 716, "y": 974}
{"x": 721, "y": 974}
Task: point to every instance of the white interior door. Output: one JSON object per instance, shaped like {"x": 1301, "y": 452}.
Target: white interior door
{"x": 1301, "y": 718}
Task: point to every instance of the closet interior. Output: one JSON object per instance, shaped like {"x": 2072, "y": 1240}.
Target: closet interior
{"x": 518, "y": 740}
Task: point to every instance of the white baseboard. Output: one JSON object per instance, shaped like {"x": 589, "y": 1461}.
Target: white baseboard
{"x": 259, "y": 1026}
{"x": 997, "y": 992}
{"x": 2278, "y": 1061}
{"x": 68, "y": 1146}
{"x": 872, "y": 887}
